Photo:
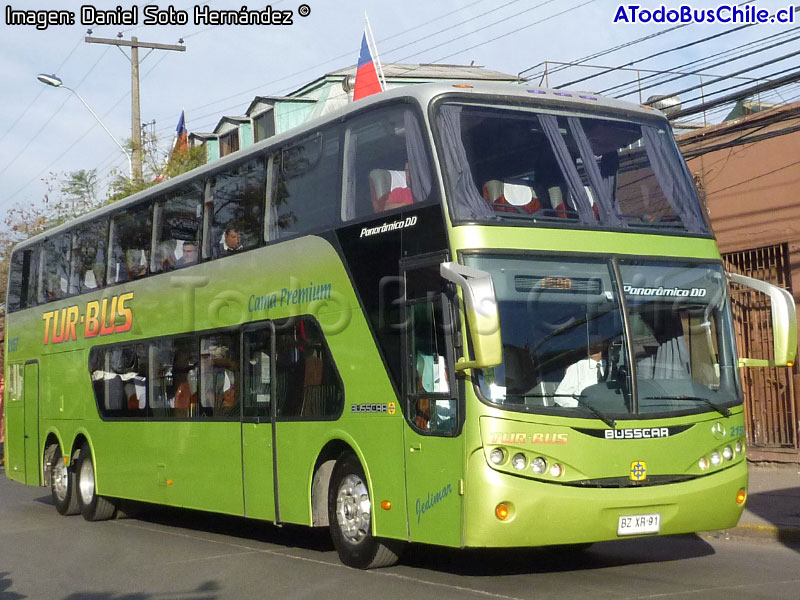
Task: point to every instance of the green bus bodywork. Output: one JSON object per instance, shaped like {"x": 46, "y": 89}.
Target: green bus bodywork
{"x": 438, "y": 489}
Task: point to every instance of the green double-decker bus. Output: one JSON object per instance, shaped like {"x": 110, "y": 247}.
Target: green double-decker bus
{"x": 469, "y": 315}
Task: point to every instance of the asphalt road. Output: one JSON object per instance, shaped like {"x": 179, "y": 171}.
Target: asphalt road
{"x": 169, "y": 554}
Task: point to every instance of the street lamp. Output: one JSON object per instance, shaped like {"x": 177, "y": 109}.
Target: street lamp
{"x": 55, "y": 82}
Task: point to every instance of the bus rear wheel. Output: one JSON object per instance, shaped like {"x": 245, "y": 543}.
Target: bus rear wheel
{"x": 350, "y": 516}
{"x": 92, "y": 506}
{"x": 62, "y": 485}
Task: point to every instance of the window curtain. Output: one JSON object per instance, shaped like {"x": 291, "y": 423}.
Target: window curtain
{"x": 609, "y": 211}
{"x": 564, "y": 159}
{"x": 672, "y": 178}
{"x": 418, "y": 168}
{"x": 272, "y": 178}
{"x": 468, "y": 204}
{"x": 350, "y": 144}
{"x": 609, "y": 169}
{"x": 671, "y": 361}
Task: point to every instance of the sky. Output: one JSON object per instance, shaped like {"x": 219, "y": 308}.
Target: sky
{"x": 46, "y": 131}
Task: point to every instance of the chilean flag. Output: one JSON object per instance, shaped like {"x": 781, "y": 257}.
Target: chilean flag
{"x": 367, "y": 82}
{"x": 181, "y": 141}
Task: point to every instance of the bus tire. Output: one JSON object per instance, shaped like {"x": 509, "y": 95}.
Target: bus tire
{"x": 350, "y": 517}
{"x": 62, "y": 485}
{"x": 93, "y": 507}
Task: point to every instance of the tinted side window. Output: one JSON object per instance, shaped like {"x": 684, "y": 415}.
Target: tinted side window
{"x": 31, "y": 272}
{"x": 175, "y": 379}
{"x": 219, "y": 375}
{"x": 119, "y": 378}
{"x": 306, "y": 186}
{"x": 56, "y": 268}
{"x": 386, "y": 163}
{"x": 179, "y": 219}
{"x": 258, "y": 373}
{"x": 237, "y": 208}
{"x": 16, "y": 291}
{"x": 89, "y": 250}
{"x": 130, "y": 244}
{"x": 308, "y": 384}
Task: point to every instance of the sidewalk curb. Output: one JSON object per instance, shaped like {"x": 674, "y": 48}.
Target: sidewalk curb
{"x": 753, "y": 530}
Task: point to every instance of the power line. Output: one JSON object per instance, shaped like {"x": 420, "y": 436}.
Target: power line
{"x": 636, "y": 85}
{"x": 654, "y": 55}
{"x": 610, "y": 50}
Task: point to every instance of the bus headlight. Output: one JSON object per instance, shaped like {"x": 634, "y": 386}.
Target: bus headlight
{"x": 539, "y": 465}
{"x": 556, "y": 470}
{"x": 703, "y": 464}
{"x": 739, "y": 447}
{"x": 727, "y": 453}
{"x": 519, "y": 462}
{"x": 497, "y": 456}
{"x": 716, "y": 458}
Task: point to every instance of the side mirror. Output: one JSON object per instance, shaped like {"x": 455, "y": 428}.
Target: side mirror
{"x": 784, "y": 323}
{"x": 483, "y": 318}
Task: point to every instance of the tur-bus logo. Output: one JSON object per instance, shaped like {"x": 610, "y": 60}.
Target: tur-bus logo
{"x": 101, "y": 317}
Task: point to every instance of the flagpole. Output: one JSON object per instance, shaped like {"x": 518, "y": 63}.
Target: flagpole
{"x": 375, "y": 49}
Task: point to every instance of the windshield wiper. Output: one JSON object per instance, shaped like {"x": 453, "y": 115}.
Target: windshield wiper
{"x": 604, "y": 418}
{"x": 720, "y": 409}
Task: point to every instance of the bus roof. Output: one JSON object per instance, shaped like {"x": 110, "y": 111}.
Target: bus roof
{"x": 424, "y": 93}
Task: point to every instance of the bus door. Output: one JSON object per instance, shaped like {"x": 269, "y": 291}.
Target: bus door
{"x": 31, "y": 394}
{"x": 14, "y": 448}
{"x": 258, "y": 433}
{"x": 434, "y": 448}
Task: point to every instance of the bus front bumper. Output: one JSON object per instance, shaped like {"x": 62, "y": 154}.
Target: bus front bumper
{"x": 542, "y": 514}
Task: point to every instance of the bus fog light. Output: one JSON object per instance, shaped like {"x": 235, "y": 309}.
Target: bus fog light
{"x": 703, "y": 464}
{"x": 556, "y": 470}
{"x": 727, "y": 453}
{"x": 741, "y": 496}
{"x": 716, "y": 458}
{"x": 739, "y": 447}
{"x": 502, "y": 511}
{"x": 539, "y": 465}
{"x": 497, "y": 456}
{"x": 519, "y": 461}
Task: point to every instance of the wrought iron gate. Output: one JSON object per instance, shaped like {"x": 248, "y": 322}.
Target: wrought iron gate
{"x": 770, "y": 409}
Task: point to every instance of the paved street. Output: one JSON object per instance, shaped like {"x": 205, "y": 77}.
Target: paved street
{"x": 170, "y": 554}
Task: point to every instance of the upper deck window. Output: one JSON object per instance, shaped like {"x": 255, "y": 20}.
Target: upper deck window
{"x": 386, "y": 164}
{"x": 558, "y": 168}
{"x": 89, "y": 244}
{"x": 179, "y": 220}
{"x": 56, "y": 283}
{"x": 130, "y": 244}
{"x": 237, "y": 210}
{"x": 305, "y": 186}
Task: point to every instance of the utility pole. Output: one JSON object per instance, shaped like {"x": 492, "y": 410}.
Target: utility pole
{"x": 136, "y": 128}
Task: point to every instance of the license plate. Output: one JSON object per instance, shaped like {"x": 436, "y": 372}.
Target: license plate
{"x": 639, "y": 524}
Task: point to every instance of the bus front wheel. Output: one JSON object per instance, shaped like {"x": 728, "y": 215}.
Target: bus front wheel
{"x": 62, "y": 485}
{"x": 92, "y": 506}
{"x": 350, "y": 517}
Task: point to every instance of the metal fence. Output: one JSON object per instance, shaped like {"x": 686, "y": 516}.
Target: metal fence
{"x": 770, "y": 409}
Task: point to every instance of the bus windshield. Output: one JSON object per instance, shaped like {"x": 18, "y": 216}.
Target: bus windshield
{"x": 568, "y": 350}
{"x": 560, "y": 168}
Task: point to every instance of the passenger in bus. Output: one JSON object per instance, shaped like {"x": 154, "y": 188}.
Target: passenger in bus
{"x": 135, "y": 266}
{"x": 229, "y": 243}
{"x": 218, "y": 379}
{"x": 188, "y": 255}
{"x": 580, "y": 375}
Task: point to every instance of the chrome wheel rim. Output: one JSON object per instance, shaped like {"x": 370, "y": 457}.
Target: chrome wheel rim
{"x": 60, "y": 479}
{"x": 86, "y": 482}
{"x": 353, "y": 509}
